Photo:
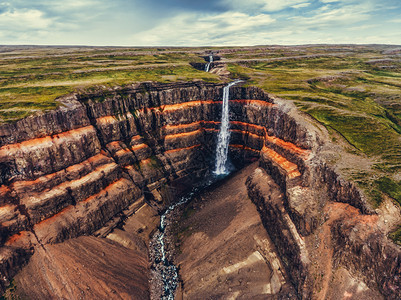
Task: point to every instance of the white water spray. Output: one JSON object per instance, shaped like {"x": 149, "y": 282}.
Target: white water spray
{"x": 224, "y": 133}
{"x": 207, "y": 67}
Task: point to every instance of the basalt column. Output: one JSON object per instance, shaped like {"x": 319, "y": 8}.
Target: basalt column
{"x": 68, "y": 172}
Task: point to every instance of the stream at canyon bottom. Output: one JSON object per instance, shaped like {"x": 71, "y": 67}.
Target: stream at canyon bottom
{"x": 164, "y": 280}
{"x": 164, "y": 273}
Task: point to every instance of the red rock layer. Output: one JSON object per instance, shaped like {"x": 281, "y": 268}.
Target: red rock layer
{"x": 67, "y": 180}
{"x": 49, "y": 194}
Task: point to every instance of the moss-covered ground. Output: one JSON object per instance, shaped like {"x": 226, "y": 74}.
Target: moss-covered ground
{"x": 31, "y": 78}
{"x": 354, "y": 91}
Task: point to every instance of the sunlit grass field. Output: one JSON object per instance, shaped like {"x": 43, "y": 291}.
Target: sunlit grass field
{"x": 31, "y": 79}
{"x": 354, "y": 91}
{"x": 356, "y": 95}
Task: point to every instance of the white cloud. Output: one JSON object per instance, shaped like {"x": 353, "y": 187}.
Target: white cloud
{"x": 193, "y": 29}
{"x": 301, "y": 5}
{"x": 87, "y": 8}
{"x": 326, "y": 16}
{"x": 276, "y": 5}
{"x": 235, "y": 21}
{"x": 76, "y": 4}
{"x": 24, "y": 19}
{"x": 264, "y": 5}
{"x": 238, "y": 22}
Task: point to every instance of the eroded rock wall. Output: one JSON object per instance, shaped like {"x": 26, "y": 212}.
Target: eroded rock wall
{"x": 68, "y": 172}
{"x": 322, "y": 223}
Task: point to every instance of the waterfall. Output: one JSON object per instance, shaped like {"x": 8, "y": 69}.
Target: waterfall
{"x": 207, "y": 67}
{"x": 224, "y": 133}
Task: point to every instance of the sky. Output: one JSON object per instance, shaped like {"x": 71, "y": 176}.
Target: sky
{"x": 199, "y": 23}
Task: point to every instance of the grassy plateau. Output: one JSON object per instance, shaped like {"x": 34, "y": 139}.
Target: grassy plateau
{"x": 353, "y": 90}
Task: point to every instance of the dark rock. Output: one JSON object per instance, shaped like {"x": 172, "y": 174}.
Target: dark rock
{"x": 68, "y": 172}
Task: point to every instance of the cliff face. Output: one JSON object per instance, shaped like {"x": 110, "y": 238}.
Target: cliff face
{"x": 84, "y": 268}
{"x": 68, "y": 172}
{"x": 322, "y": 226}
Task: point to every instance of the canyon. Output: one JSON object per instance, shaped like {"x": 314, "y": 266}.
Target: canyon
{"x": 85, "y": 183}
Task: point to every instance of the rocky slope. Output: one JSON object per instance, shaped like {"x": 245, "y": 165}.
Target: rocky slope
{"x": 110, "y": 153}
{"x": 68, "y": 172}
{"x": 323, "y": 227}
{"x": 84, "y": 268}
{"x": 223, "y": 250}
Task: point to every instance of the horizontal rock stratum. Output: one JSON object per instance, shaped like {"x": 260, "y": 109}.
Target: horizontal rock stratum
{"x": 69, "y": 172}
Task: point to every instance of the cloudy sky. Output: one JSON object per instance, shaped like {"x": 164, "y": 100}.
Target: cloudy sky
{"x": 199, "y": 23}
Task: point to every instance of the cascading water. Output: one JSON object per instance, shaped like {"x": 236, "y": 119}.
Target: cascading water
{"x": 165, "y": 273}
{"x": 207, "y": 67}
{"x": 164, "y": 280}
{"x": 224, "y": 134}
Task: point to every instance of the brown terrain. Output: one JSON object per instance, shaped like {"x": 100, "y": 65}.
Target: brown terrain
{"x": 85, "y": 268}
{"x": 107, "y": 162}
{"x": 225, "y": 253}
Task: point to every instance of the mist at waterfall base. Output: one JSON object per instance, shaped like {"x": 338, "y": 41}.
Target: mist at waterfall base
{"x": 164, "y": 271}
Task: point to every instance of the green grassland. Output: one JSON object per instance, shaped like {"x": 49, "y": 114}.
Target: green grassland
{"x": 31, "y": 79}
{"x": 354, "y": 91}
{"x": 356, "y": 95}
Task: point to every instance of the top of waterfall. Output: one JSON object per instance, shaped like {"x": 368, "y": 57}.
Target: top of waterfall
{"x": 234, "y": 82}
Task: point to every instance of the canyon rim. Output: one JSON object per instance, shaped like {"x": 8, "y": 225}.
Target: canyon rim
{"x": 254, "y": 181}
